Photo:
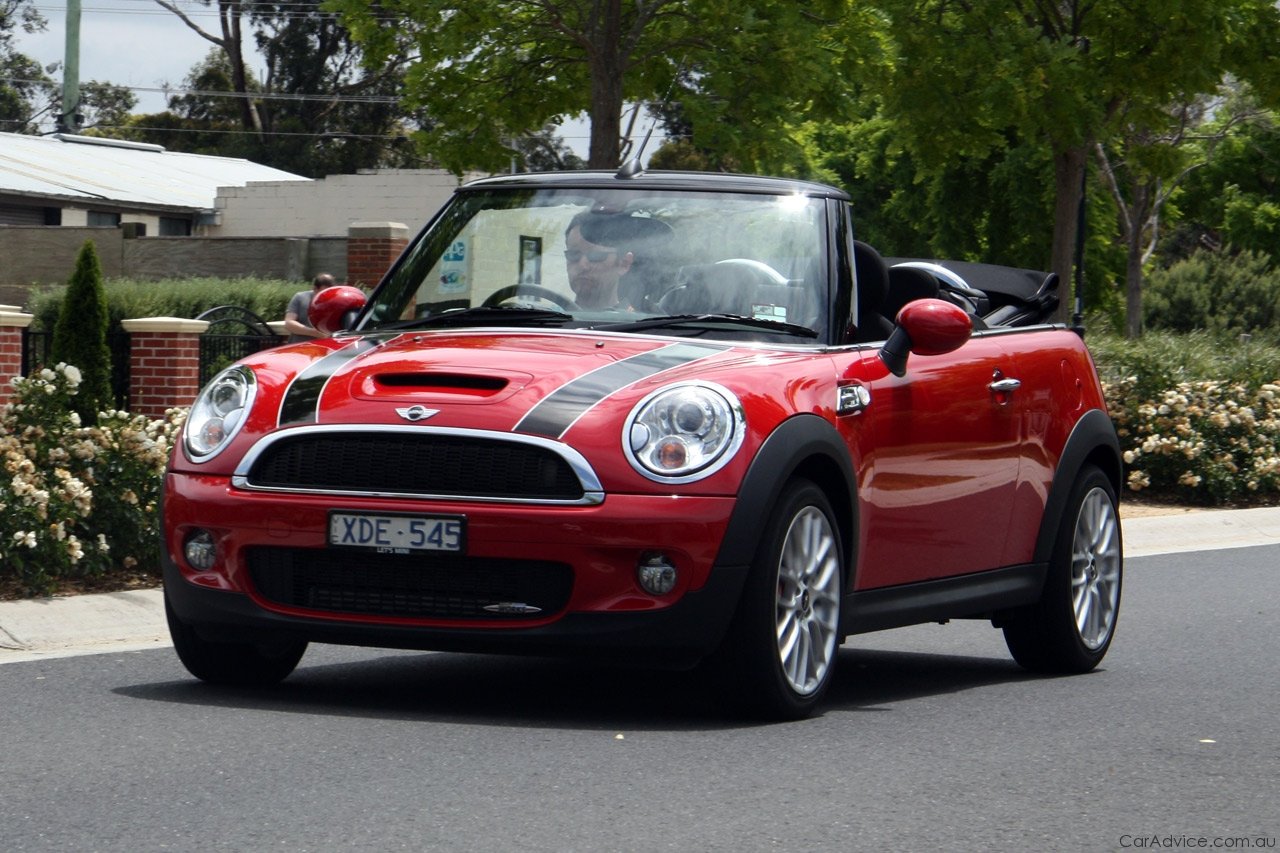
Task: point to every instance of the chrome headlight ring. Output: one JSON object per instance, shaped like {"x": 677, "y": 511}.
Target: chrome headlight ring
{"x": 684, "y": 432}
{"x": 218, "y": 413}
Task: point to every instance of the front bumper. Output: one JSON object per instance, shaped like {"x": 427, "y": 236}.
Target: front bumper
{"x": 603, "y": 610}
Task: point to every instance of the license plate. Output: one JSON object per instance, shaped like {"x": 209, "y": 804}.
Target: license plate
{"x": 396, "y": 534}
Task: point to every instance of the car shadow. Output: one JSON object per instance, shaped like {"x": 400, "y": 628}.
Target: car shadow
{"x": 513, "y": 691}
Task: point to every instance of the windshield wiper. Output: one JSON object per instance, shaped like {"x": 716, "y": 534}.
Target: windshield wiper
{"x": 677, "y": 320}
{"x": 482, "y": 315}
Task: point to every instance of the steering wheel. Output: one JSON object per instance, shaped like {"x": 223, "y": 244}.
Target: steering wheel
{"x": 515, "y": 292}
{"x": 764, "y": 274}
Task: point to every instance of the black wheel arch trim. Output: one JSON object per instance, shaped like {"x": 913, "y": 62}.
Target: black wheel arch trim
{"x": 805, "y": 444}
{"x": 1093, "y": 440}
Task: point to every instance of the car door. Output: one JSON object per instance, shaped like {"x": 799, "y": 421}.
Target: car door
{"x": 940, "y": 448}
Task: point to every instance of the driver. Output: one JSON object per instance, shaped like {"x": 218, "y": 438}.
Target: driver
{"x": 595, "y": 261}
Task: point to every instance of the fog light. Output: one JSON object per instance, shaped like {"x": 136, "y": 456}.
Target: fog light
{"x": 656, "y": 574}
{"x": 200, "y": 551}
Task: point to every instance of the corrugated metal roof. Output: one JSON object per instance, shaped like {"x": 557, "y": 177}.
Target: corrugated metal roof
{"x": 87, "y": 169}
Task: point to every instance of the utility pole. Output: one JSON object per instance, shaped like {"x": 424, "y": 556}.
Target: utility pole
{"x": 69, "y": 120}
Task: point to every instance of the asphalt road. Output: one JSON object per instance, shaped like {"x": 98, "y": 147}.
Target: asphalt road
{"x": 931, "y": 740}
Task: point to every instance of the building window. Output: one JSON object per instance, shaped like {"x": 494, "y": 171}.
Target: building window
{"x": 172, "y": 226}
{"x": 100, "y": 219}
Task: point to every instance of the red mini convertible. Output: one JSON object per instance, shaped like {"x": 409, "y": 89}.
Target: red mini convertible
{"x": 681, "y": 419}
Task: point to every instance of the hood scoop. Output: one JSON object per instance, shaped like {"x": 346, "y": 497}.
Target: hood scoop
{"x": 432, "y": 382}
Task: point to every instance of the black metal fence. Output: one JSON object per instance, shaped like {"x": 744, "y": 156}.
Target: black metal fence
{"x": 219, "y": 351}
{"x": 36, "y": 353}
{"x": 233, "y": 334}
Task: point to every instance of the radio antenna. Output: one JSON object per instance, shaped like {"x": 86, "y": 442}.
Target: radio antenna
{"x": 632, "y": 167}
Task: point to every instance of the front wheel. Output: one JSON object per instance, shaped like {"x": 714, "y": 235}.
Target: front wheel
{"x": 1071, "y": 627}
{"x": 781, "y": 648}
{"x": 240, "y": 664}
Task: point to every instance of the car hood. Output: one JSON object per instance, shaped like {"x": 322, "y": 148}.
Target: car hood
{"x": 538, "y": 383}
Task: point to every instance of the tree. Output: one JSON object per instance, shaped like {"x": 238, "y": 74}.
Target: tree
{"x": 325, "y": 112}
{"x": 1232, "y": 199}
{"x": 545, "y": 151}
{"x": 230, "y": 42}
{"x": 1067, "y": 73}
{"x": 316, "y": 111}
{"x": 490, "y": 71}
{"x": 80, "y": 335}
{"x": 1143, "y": 168}
{"x": 26, "y": 93}
{"x": 23, "y": 83}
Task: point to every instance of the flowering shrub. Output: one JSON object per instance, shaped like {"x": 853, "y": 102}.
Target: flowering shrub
{"x": 77, "y": 501}
{"x": 1206, "y": 441}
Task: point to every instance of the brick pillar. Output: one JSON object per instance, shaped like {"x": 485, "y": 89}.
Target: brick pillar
{"x": 372, "y": 247}
{"x": 164, "y": 363}
{"x": 12, "y": 322}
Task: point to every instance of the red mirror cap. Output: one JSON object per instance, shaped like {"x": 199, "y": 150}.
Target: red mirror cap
{"x": 331, "y": 305}
{"x": 935, "y": 326}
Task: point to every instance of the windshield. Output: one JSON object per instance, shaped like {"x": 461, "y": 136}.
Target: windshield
{"x": 666, "y": 262}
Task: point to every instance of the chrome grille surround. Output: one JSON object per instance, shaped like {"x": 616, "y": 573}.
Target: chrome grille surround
{"x": 592, "y": 492}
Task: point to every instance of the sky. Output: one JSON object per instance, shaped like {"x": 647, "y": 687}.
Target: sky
{"x": 132, "y": 43}
{"x": 138, "y": 44}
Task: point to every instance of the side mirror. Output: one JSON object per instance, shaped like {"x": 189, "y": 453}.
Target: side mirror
{"x": 335, "y": 308}
{"x": 925, "y": 327}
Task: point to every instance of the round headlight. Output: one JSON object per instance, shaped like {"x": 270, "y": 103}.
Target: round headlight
{"x": 684, "y": 432}
{"x": 218, "y": 413}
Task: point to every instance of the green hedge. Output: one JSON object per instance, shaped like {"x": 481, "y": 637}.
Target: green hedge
{"x": 129, "y": 299}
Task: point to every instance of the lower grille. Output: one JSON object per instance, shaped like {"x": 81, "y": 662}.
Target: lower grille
{"x": 411, "y": 586}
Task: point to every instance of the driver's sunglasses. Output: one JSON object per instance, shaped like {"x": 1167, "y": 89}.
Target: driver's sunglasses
{"x": 595, "y": 257}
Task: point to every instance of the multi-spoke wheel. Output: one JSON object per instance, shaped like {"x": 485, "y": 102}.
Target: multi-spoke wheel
{"x": 1070, "y": 629}
{"x": 808, "y": 600}
{"x": 781, "y": 649}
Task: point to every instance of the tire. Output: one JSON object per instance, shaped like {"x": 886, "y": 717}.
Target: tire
{"x": 1071, "y": 628}
{"x": 239, "y": 664}
{"x": 781, "y": 648}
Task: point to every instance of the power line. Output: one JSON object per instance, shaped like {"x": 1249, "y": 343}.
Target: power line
{"x": 255, "y": 96}
{"x": 281, "y": 10}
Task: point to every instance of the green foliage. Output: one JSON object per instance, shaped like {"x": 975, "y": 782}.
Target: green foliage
{"x": 129, "y": 299}
{"x": 80, "y": 334}
{"x": 1216, "y": 291}
{"x": 500, "y": 70}
{"x": 76, "y": 501}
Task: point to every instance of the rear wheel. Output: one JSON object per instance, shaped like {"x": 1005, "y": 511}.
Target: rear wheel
{"x": 243, "y": 664}
{"x": 781, "y": 649}
{"x": 1071, "y": 627}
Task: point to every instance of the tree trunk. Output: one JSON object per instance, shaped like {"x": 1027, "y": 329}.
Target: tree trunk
{"x": 230, "y": 16}
{"x": 607, "y": 68}
{"x": 606, "y": 122}
{"x": 1133, "y": 287}
{"x": 1068, "y": 177}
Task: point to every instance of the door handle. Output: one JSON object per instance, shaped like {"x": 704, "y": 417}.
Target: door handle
{"x": 1005, "y": 386}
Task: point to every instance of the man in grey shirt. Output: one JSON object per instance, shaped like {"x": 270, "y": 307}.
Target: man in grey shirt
{"x": 296, "y": 322}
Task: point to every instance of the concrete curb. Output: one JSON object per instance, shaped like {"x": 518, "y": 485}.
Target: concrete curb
{"x": 125, "y": 621}
{"x": 54, "y": 627}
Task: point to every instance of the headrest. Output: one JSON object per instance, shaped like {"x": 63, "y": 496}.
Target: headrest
{"x": 872, "y": 273}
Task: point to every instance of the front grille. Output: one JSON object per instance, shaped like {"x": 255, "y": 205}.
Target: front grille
{"x": 416, "y": 463}
{"x": 411, "y": 586}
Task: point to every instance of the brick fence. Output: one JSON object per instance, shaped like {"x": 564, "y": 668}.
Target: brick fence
{"x": 164, "y": 360}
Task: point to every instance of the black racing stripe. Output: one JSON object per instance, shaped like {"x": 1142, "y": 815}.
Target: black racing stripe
{"x": 553, "y": 415}
{"x": 301, "y": 401}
